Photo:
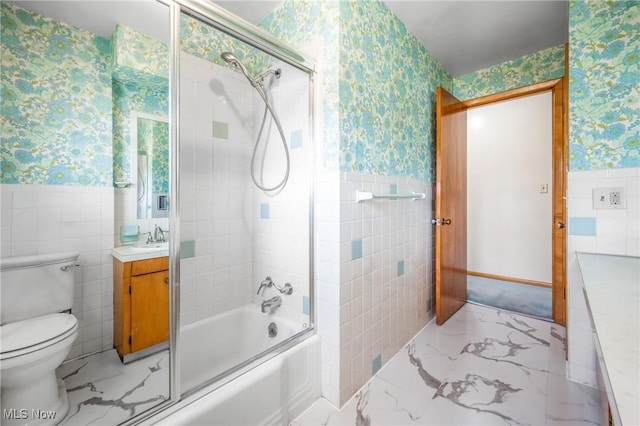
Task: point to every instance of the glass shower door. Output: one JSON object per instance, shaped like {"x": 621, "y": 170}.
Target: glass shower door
{"x": 245, "y": 203}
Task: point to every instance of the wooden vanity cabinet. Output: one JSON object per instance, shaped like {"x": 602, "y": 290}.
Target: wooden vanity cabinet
{"x": 140, "y": 305}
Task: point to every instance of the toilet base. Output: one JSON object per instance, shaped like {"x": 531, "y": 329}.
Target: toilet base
{"x": 50, "y": 417}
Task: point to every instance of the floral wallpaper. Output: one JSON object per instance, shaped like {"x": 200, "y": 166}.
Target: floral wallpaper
{"x": 313, "y": 25}
{"x": 56, "y": 102}
{"x": 140, "y": 84}
{"x": 138, "y": 58}
{"x": 205, "y": 42}
{"x": 544, "y": 65}
{"x": 604, "y": 84}
{"x": 378, "y": 113}
{"x": 388, "y": 82}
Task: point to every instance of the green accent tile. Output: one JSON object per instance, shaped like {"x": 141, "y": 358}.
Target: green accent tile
{"x": 376, "y": 364}
{"x": 356, "y": 249}
{"x": 305, "y": 305}
{"x": 187, "y": 249}
{"x": 400, "y": 268}
{"x": 220, "y": 130}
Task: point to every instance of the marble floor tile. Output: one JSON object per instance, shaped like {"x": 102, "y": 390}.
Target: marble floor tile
{"x": 104, "y": 391}
{"x": 482, "y": 367}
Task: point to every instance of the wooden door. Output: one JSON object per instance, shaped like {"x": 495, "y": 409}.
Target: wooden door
{"x": 451, "y": 205}
{"x": 149, "y": 310}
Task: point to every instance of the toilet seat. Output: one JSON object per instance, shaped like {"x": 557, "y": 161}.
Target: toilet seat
{"x": 23, "y": 337}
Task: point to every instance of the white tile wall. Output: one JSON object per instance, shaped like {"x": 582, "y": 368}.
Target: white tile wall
{"x": 366, "y": 309}
{"x": 216, "y": 201}
{"x": 38, "y": 219}
{"x": 281, "y": 241}
{"x": 235, "y": 248}
{"x": 617, "y": 232}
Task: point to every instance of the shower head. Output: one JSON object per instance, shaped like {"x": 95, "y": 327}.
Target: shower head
{"x": 232, "y": 60}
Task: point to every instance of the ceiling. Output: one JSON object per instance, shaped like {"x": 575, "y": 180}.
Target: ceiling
{"x": 463, "y": 36}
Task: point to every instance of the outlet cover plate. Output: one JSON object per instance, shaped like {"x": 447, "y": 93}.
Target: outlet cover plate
{"x": 609, "y": 198}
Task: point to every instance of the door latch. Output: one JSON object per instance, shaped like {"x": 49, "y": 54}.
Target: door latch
{"x": 440, "y": 221}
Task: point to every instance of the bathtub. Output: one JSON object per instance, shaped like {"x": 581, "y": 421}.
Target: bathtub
{"x": 272, "y": 393}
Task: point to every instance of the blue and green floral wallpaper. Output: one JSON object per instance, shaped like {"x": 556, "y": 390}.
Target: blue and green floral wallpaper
{"x": 604, "y": 84}
{"x": 388, "y": 82}
{"x": 384, "y": 99}
{"x": 314, "y": 25}
{"x": 537, "y": 67}
{"x": 140, "y": 84}
{"x": 205, "y": 42}
{"x": 138, "y": 58}
{"x": 56, "y": 102}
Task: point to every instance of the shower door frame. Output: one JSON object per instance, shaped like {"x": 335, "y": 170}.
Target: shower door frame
{"x": 231, "y": 25}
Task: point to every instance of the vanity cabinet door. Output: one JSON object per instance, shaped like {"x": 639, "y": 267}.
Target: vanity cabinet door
{"x": 149, "y": 309}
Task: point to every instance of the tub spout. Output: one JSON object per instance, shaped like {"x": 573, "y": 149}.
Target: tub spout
{"x": 270, "y": 305}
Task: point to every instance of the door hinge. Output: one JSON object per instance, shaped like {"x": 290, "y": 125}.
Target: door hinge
{"x": 129, "y": 339}
{"x": 129, "y": 289}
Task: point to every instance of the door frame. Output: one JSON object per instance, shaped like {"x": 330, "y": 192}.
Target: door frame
{"x": 560, "y": 151}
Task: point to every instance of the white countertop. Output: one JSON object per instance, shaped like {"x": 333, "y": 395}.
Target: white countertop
{"x": 612, "y": 289}
{"x": 140, "y": 252}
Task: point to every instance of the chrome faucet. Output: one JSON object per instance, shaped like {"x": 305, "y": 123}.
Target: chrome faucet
{"x": 158, "y": 235}
{"x": 268, "y": 283}
{"x": 271, "y": 305}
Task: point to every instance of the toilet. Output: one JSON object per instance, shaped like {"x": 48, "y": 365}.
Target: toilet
{"x": 36, "y": 334}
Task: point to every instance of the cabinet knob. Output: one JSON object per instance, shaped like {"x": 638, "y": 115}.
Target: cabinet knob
{"x": 166, "y": 281}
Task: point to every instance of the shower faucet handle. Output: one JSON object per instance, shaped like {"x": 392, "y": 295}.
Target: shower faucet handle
{"x": 267, "y": 282}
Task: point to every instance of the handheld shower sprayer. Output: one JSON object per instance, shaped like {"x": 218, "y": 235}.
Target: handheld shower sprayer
{"x": 257, "y": 83}
{"x": 232, "y": 60}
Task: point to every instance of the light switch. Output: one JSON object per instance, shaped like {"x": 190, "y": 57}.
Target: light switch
{"x": 544, "y": 188}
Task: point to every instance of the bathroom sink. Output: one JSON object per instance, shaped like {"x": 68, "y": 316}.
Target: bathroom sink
{"x": 150, "y": 247}
{"x": 140, "y": 251}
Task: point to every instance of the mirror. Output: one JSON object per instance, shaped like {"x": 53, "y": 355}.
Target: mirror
{"x": 150, "y": 151}
{"x": 73, "y": 73}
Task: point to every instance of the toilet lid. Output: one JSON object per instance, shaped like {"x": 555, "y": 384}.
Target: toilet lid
{"x": 40, "y": 331}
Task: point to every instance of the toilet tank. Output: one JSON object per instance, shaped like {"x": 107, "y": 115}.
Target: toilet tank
{"x": 31, "y": 286}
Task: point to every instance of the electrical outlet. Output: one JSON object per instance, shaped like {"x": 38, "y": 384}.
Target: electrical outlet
{"x": 608, "y": 198}
{"x": 544, "y": 188}
{"x": 614, "y": 198}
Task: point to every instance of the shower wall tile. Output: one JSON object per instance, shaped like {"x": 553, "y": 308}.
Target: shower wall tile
{"x": 215, "y": 215}
{"x": 281, "y": 244}
{"x": 296, "y": 139}
{"x": 41, "y": 219}
{"x": 616, "y": 232}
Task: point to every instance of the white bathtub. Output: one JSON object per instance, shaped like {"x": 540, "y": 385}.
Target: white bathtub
{"x": 273, "y": 393}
